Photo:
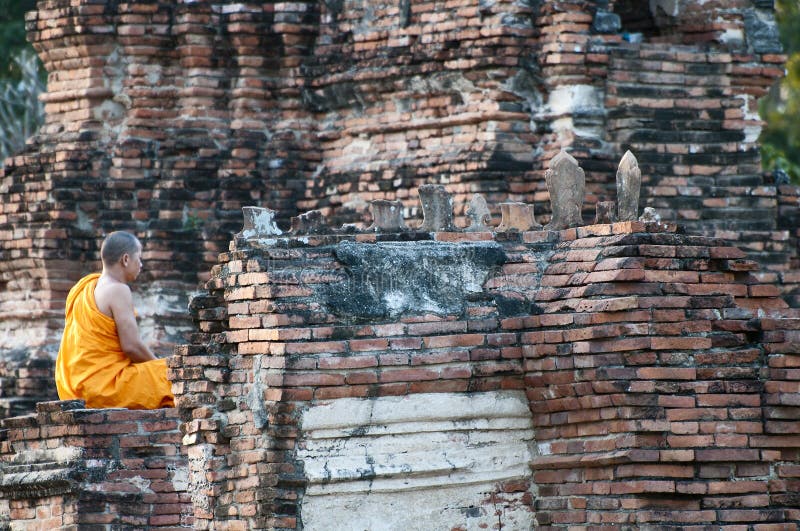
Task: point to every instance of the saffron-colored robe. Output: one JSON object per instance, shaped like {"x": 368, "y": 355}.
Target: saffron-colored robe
{"x": 92, "y": 366}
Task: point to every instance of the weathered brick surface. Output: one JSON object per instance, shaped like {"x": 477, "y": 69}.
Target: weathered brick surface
{"x": 660, "y": 389}
{"x": 657, "y": 366}
{"x": 66, "y": 467}
{"x": 165, "y": 118}
{"x": 657, "y": 412}
{"x": 660, "y": 366}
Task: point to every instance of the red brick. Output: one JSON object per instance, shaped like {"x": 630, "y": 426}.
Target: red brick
{"x": 614, "y": 345}
{"x": 349, "y": 362}
{"x": 690, "y": 441}
{"x": 316, "y": 347}
{"x": 437, "y": 357}
{"x": 360, "y": 345}
{"x": 680, "y": 343}
{"x": 407, "y": 375}
{"x": 460, "y": 340}
{"x": 444, "y": 327}
{"x": 666, "y": 373}
{"x": 312, "y": 379}
{"x": 727, "y": 454}
{"x": 351, "y": 391}
{"x": 439, "y": 386}
{"x": 730, "y": 400}
{"x": 406, "y": 343}
{"x": 726, "y": 252}
{"x": 643, "y": 487}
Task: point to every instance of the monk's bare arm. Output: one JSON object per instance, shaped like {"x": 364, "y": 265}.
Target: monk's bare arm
{"x": 121, "y": 303}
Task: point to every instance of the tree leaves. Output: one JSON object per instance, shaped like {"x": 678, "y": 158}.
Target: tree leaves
{"x": 780, "y": 139}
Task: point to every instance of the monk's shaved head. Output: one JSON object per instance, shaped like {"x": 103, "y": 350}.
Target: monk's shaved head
{"x": 116, "y": 245}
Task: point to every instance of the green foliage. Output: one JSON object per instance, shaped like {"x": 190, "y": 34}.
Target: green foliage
{"x": 780, "y": 139}
{"x": 788, "y": 23}
{"x": 12, "y": 35}
{"x": 21, "y": 112}
{"x": 22, "y": 79}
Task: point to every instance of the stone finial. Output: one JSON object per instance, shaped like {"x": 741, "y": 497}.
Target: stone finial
{"x": 478, "y": 214}
{"x": 387, "y": 216}
{"x": 517, "y": 216}
{"x": 437, "y": 208}
{"x": 606, "y": 212}
{"x": 311, "y": 222}
{"x": 259, "y": 223}
{"x": 629, "y": 182}
{"x": 566, "y": 183}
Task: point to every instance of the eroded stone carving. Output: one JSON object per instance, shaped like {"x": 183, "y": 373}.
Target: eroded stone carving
{"x": 566, "y": 183}
{"x": 437, "y": 208}
{"x": 629, "y": 182}
{"x": 606, "y": 212}
{"x": 478, "y": 215}
{"x": 387, "y": 216}
{"x": 649, "y": 215}
{"x": 259, "y": 223}
{"x": 311, "y": 222}
{"x": 517, "y": 216}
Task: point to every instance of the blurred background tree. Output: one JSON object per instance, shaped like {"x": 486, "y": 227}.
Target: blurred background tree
{"x": 780, "y": 139}
{"x": 22, "y": 79}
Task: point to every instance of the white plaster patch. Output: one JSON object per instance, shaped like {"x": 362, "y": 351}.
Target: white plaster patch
{"x": 61, "y": 456}
{"x": 396, "y": 301}
{"x": 569, "y": 98}
{"x": 259, "y": 223}
{"x": 109, "y": 111}
{"x": 84, "y": 222}
{"x": 20, "y": 333}
{"x": 157, "y": 307}
{"x": 426, "y": 461}
{"x": 753, "y": 128}
{"x": 153, "y": 74}
{"x": 544, "y": 449}
{"x": 359, "y": 146}
{"x": 199, "y": 457}
{"x": 733, "y": 37}
{"x": 179, "y": 477}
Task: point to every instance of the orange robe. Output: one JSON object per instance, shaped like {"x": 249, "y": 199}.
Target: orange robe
{"x": 92, "y": 366}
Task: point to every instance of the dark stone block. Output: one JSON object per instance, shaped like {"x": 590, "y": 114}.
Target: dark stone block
{"x": 605, "y": 22}
{"x": 762, "y": 32}
{"x": 391, "y": 279}
{"x": 510, "y": 306}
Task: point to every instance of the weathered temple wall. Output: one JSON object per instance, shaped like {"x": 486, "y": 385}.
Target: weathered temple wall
{"x": 654, "y": 365}
{"x": 165, "y": 118}
{"x": 621, "y": 374}
{"x": 66, "y": 467}
{"x": 627, "y": 374}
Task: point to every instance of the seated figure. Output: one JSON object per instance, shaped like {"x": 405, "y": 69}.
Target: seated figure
{"x": 102, "y": 359}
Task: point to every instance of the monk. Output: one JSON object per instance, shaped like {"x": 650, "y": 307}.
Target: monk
{"x": 102, "y": 359}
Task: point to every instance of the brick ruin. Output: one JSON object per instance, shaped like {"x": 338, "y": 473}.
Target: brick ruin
{"x": 613, "y": 375}
{"x": 632, "y": 373}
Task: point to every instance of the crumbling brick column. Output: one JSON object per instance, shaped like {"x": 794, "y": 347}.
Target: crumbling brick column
{"x": 67, "y": 467}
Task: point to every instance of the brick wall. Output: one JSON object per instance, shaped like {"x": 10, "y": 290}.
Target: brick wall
{"x": 66, "y": 467}
{"x": 654, "y": 391}
{"x": 166, "y": 118}
{"x": 609, "y": 375}
{"x": 656, "y": 367}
